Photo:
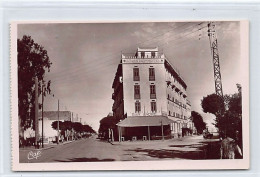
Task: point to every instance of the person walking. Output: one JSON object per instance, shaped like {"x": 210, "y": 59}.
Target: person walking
{"x": 229, "y": 149}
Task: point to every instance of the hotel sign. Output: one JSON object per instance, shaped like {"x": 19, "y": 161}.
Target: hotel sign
{"x": 130, "y": 61}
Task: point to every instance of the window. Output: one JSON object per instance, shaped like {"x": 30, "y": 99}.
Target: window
{"x": 152, "y": 92}
{"x": 153, "y": 106}
{"x": 168, "y": 97}
{"x": 137, "y": 107}
{"x": 151, "y": 74}
{"x": 142, "y": 54}
{"x": 136, "y": 74}
{"x": 153, "y": 54}
{"x": 169, "y": 113}
{"x": 137, "y": 92}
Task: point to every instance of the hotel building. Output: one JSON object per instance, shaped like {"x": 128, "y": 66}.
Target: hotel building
{"x": 150, "y": 97}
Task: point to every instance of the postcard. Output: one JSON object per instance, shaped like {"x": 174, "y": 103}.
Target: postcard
{"x": 133, "y": 95}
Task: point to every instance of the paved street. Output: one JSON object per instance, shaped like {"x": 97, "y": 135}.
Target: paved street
{"x": 92, "y": 149}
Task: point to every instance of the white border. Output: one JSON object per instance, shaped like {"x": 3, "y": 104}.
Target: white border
{"x": 131, "y": 165}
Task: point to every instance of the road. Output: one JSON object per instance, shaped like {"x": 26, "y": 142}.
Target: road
{"x": 92, "y": 149}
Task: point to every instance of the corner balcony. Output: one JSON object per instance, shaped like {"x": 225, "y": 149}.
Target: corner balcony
{"x": 113, "y": 96}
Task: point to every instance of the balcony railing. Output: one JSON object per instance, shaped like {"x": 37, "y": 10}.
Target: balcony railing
{"x": 137, "y": 96}
{"x": 136, "y": 78}
{"x": 151, "y": 78}
{"x": 113, "y": 96}
{"x": 153, "y": 96}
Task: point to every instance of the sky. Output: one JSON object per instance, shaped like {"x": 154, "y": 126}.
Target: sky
{"x": 85, "y": 56}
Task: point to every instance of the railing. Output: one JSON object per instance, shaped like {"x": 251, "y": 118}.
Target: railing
{"x": 133, "y": 56}
{"x": 151, "y": 78}
{"x": 113, "y": 96}
{"x": 136, "y": 78}
{"x": 153, "y": 96}
{"x": 137, "y": 96}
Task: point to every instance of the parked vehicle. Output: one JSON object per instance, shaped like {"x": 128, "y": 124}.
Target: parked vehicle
{"x": 207, "y": 135}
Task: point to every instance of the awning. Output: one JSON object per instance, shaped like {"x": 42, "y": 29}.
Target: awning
{"x": 140, "y": 121}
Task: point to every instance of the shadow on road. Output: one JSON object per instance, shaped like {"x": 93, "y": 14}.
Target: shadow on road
{"x": 85, "y": 160}
{"x": 187, "y": 146}
{"x": 209, "y": 150}
{"x": 171, "y": 154}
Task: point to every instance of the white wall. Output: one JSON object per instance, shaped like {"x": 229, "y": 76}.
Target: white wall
{"x": 48, "y": 131}
{"x": 128, "y": 86}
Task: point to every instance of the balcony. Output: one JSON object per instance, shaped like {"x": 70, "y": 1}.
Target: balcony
{"x": 151, "y": 78}
{"x": 168, "y": 83}
{"x": 153, "y": 96}
{"x": 136, "y": 78}
{"x": 137, "y": 96}
{"x": 113, "y": 96}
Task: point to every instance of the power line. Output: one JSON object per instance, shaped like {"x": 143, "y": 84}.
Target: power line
{"x": 116, "y": 53}
{"x": 102, "y": 66}
{"x": 82, "y": 77}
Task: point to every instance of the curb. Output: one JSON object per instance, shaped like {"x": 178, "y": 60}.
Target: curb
{"x": 30, "y": 149}
{"x": 52, "y": 146}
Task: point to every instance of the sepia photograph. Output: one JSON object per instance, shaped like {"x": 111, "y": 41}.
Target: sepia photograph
{"x": 130, "y": 95}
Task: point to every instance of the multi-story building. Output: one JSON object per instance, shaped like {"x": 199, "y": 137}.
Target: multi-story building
{"x": 148, "y": 89}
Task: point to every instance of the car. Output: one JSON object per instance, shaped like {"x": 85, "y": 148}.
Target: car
{"x": 207, "y": 135}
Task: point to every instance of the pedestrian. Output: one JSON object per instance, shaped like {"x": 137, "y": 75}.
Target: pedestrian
{"x": 229, "y": 149}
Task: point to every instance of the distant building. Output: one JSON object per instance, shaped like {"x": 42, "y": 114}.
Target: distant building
{"x": 150, "y": 97}
{"x": 53, "y": 115}
{"x": 49, "y": 117}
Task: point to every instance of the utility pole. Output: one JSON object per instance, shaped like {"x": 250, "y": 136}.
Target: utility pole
{"x": 58, "y": 122}
{"x": 36, "y": 113}
{"x": 42, "y": 112}
{"x": 214, "y": 52}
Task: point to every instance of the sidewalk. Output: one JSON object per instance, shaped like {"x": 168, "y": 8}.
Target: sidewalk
{"x": 166, "y": 141}
{"x": 46, "y": 146}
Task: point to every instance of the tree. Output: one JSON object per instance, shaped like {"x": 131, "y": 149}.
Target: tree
{"x": 33, "y": 61}
{"x": 88, "y": 129}
{"x": 229, "y": 120}
{"x": 61, "y": 125}
{"x": 213, "y": 104}
{"x": 68, "y": 125}
{"x": 235, "y": 104}
{"x": 197, "y": 119}
{"x": 77, "y": 126}
{"x": 106, "y": 123}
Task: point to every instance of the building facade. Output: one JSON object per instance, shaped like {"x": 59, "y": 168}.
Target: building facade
{"x": 49, "y": 117}
{"x": 147, "y": 85}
